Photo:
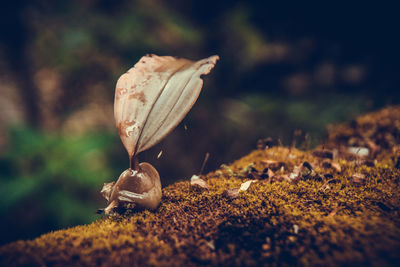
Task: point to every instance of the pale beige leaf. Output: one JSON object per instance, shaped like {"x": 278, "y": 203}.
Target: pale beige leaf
{"x": 244, "y": 186}
{"x": 177, "y": 98}
{"x": 154, "y": 96}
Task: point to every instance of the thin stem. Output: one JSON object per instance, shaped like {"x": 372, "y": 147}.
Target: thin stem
{"x": 133, "y": 163}
{"x": 204, "y": 163}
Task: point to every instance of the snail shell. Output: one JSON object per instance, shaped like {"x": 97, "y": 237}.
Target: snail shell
{"x": 141, "y": 188}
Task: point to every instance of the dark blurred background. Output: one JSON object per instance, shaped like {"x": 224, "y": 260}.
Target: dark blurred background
{"x": 286, "y": 71}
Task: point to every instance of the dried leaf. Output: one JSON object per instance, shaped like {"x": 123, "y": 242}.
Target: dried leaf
{"x": 231, "y": 193}
{"x": 296, "y": 229}
{"x": 326, "y": 186}
{"x": 358, "y": 178}
{"x": 372, "y": 145}
{"x": 358, "y": 151}
{"x": 269, "y": 172}
{"x": 196, "y": 181}
{"x": 306, "y": 169}
{"x": 106, "y": 190}
{"x": 244, "y": 186}
{"x": 254, "y": 174}
{"x": 336, "y": 166}
{"x": 227, "y": 169}
{"x": 211, "y": 244}
{"x": 295, "y": 175}
{"x": 154, "y": 96}
{"x": 273, "y": 165}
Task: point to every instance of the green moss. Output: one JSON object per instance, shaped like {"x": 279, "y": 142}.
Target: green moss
{"x": 326, "y": 221}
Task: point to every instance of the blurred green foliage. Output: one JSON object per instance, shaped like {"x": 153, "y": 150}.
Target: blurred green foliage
{"x": 51, "y": 178}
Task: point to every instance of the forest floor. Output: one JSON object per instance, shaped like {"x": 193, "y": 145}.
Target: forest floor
{"x": 335, "y": 205}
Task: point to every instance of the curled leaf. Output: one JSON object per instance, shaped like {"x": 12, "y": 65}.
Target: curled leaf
{"x": 106, "y": 190}
{"x": 153, "y": 97}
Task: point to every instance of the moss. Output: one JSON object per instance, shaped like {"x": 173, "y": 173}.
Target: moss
{"x": 327, "y": 221}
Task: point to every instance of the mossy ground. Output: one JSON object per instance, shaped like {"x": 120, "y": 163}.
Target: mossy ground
{"x": 326, "y": 219}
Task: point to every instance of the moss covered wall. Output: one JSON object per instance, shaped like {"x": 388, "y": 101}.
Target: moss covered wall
{"x": 334, "y": 205}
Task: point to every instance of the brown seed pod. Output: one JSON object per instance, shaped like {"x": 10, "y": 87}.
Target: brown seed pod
{"x": 141, "y": 188}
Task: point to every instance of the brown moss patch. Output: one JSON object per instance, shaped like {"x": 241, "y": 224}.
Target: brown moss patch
{"x": 327, "y": 218}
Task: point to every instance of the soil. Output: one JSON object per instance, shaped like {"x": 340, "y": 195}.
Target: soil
{"x": 335, "y": 205}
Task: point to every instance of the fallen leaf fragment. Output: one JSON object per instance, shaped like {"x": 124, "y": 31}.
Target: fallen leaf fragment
{"x": 269, "y": 172}
{"x": 228, "y": 170}
{"x": 197, "y": 182}
{"x": 308, "y": 172}
{"x": 326, "y": 186}
{"x": 211, "y": 244}
{"x": 336, "y": 166}
{"x": 106, "y": 191}
{"x": 306, "y": 169}
{"x": 295, "y": 175}
{"x": 358, "y": 151}
{"x": 244, "y": 186}
{"x": 296, "y": 229}
{"x": 249, "y": 170}
{"x": 372, "y": 145}
{"x": 254, "y": 174}
{"x": 231, "y": 193}
{"x": 273, "y": 165}
{"x": 358, "y": 178}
